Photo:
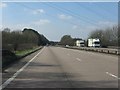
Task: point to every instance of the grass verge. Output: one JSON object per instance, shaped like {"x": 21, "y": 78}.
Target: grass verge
{"x": 8, "y": 61}
{"x": 24, "y": 52}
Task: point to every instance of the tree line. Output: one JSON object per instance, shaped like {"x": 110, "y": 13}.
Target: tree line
{"x": 108, "y": 37}
{"x": 68, "y": 40}
{"x": 20, "y": 40}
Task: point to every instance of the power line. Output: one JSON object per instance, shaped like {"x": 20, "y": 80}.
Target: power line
{"x": 71, "y": 13}
{"x": 103, "y": 8}
{"x": 53, "y": 16}
{"x": 93, "y": 11}
{"x": 78, "y": 15}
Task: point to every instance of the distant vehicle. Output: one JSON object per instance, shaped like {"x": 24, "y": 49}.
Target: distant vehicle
{"x": 94, "y": 42}
{"x": 80, "y": 43}
{"x": 67, "y": 46}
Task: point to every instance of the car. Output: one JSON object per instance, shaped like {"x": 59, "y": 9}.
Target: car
{"x": 67, "y": 46}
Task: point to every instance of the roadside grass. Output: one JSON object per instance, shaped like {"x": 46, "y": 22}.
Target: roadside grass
{"x": 24, "y": 52}
{"x": 9, "y": 59}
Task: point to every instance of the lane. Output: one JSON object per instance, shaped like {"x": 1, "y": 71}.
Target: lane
{"x": 109, "y": 62}
{"x": 16, "y": 66}
{"x": 58, "y": 67}
{"x": 18, "y": 72}
{"x": 44, "y": 72}
{"x": 92, "y": 69}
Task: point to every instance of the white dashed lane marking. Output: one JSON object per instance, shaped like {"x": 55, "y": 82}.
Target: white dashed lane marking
{"x": 78, "y": 59}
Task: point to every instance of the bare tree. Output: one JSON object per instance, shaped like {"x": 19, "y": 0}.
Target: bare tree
{"x": 108, "y": 37}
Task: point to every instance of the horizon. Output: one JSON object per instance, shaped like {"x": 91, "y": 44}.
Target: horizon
{"x": 55, "y": 19}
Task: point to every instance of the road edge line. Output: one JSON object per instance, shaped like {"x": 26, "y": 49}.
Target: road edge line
{"x": 18, "y": 72}
{"x": 112, "y": 75}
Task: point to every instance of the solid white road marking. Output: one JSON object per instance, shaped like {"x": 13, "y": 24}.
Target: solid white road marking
{"x": 112, "y": 75}
{"x": 18, "y": 72}
{"x": 78, "y": 59}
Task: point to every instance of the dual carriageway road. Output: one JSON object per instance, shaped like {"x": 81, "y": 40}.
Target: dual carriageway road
{"x": 56, "y": 67}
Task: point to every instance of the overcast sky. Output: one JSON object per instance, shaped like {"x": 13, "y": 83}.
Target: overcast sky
{"x": 55, "y": 19}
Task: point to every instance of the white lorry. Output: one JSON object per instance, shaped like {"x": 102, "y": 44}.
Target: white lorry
{"x": 80, "y": 43}
{"x": 94, "y": 42}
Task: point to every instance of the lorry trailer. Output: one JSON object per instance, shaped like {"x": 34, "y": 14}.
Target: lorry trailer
{"x": 94, "y": 42}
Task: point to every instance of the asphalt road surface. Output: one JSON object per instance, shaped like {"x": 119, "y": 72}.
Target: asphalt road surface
{"x": 55, "y": 67}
